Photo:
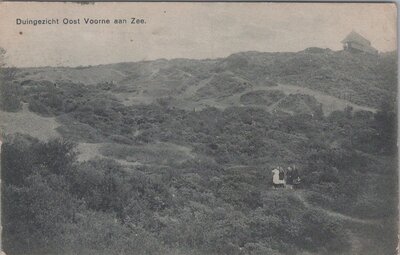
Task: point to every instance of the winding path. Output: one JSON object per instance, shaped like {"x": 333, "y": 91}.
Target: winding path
{"x": 300, "y": 194}
{"x": 356, "y": 241}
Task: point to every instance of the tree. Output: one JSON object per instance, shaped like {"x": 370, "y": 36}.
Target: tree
{"x": 10, "y": 92}
{"x": 386, "y": 126}
{"x": 7, "y": 73}
{"x": 2, "y": 56}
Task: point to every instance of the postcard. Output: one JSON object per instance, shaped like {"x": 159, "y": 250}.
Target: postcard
{"x": 198, "y": 128}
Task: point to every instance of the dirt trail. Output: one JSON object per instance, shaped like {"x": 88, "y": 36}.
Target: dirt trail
{"x": 274, "y": 105}
{"x": 119, "y": 72}
{"x": 90, "y": 151}
{"x": 357, "y": 242}
{"x": 300, "y": 194}
{"x": 180, "y": 153}
{"x": 30, "y": 123}
{"x": 329, "y": 103}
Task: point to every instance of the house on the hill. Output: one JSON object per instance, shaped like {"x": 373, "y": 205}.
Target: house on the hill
{"x": 355, "y": 42}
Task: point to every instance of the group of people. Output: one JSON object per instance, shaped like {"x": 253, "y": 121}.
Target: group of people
{"x": 288, "y": 178}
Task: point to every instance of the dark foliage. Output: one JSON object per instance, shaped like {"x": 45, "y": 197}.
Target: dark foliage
{"x": 199, "y": 182}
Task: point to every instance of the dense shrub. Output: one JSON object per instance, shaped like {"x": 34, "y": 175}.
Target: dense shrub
{"x": 10, "y": 96}
{"x": 53, "y": 206}
{"x": 198, "y": 182}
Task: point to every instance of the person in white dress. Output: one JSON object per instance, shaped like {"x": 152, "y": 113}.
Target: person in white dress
{"x": 276, "y": 181}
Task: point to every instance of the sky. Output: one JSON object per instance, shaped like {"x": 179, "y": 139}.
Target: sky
{"x": 185, "y": 30}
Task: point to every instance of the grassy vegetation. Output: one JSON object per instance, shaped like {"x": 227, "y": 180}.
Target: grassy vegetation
{"x": 202, "y": 182}
{"x": 197, "y": 204}
{"x": 261, "y": 97}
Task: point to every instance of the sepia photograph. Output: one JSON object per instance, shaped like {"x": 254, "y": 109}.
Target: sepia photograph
{"x": 198, "y": 128}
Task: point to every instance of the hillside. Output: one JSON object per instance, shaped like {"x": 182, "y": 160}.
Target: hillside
{"x": 175, "y": 156}
{"x": 360, "y": 79}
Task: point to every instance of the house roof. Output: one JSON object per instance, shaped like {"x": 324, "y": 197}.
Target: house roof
{"x": 357, "y": 38}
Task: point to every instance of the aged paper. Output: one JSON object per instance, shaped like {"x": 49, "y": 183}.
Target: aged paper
{"x": 198, "y": 128}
